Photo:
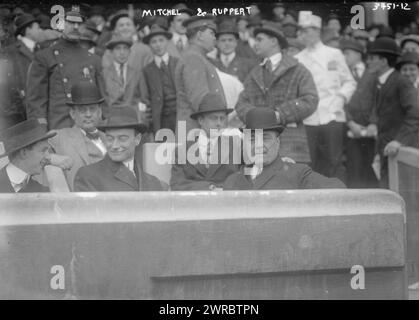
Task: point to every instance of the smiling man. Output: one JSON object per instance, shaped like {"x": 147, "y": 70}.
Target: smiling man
{"x": 119, "y": 170}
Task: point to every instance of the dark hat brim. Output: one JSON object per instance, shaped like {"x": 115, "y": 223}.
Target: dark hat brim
{"x": 378, "y": 51}
{"x": 400, "y": 63}
{"x": 30, "y": 142}
{"x": 148, "y": 37}
{"x": 221, "y": 32}
{"x": 187, "y": 10}
{"x": 72, "y": 103}
{"x": 115, "y": 19}
{"x": 113, "y": 43}
{"x": 25, "y": 25}
{"x": 195, "y": 115}
{"x": 282, "y": 40}
{"x": 277, "y": 128}
{"x": 138, "y": 126}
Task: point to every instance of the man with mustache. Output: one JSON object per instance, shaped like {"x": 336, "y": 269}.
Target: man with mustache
{"x": 54, "y": 71}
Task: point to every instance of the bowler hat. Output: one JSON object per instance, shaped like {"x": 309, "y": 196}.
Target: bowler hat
{"x": 22, "y": 21}
{"x": 183, "y": 8}
{"x": 352, "y": 45}
{"x": 85, "y": 93}
{"x": 23, "y": 135}
{"x": 116, "y": 16}
{"x": 227, "y": 28}
{"x": 211, "y": 102}
{"x": 200, "y": 21}
{"x": 118, "y": 40}
{"x": 408, "y": 57}
{"x": 273, "y": 31}
{"x": 384, "y": 45}
{"x": 156, "y": 30}
{"x": 121, "y": 118}
{"x": 262, "y": 118}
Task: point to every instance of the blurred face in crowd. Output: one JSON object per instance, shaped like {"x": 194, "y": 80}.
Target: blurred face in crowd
{"x": 34, "y": 32}
{"x": 309, "y": 36}
{"x": 71, "y": 30}
{"x": 33, "y": 157}
{"x": 292, "y": 51}
{"x": 352, "y": 57}
{"x": 158, "y": 45}
{"x": 254, "y": 10}
{"x": 213, "y": 120}
{"x": 177, "y": 23}
{"x": 376, "y": 63}
{"x": 121, "y": 143}
{"x": 334, "y": 24}
{"x": 279, "y": 12}
{"x": 411, "y": 46}
{"x": 410, "y": 71}
{"x": 86, "y": 117}
{"x": 207, "y": 39}
{"x": 227, "y": 43}
{"x": 121, "y": 53}
{"x": 125, "y": 27}
{"x": 270, "y": 146}
{"x": 242, "y": 25}
{"x": 99, "y": 21}
{"x": 265, "y": 45}
{"x": 362, "y": 41}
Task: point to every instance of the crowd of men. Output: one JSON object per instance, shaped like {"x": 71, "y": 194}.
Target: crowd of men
{"x": 332, "y": 105}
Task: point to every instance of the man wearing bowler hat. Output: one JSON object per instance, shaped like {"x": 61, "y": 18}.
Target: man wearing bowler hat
{"x": 83, "y": 142}
{"x": 272, "y": 173}
{"x": 215, "y": 156}
{"x": 119, "y": 170}
{"x": 26, "y": 145}
{"x": 55, "y": 70}
{"x": 284, "y": 85}
{"x": 396, "y": 108}
{"x": 195, "y": 74}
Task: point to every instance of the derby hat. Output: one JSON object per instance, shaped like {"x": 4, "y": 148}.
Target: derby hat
{"x": 262, "y": 118}
{"x": 118, "y": 40}
{"x": 85, "y": 93}
{"x": 352, "y": 45}
{"x": 119, "y": 14}
{"x": 384, "y": 45}
{"x": 183, "y": 8}
{"x": 272, "y": 30}
{"x": 211, "y": 102}
{"x": 199, "y": 22}
{"x": 22, "y": 21}
{"x": 227, "y": 28}
{"x": 157, "y": 30}
{"x": 408, "y": 57}
{"x": 23, "y": 135}
{"x": 124, "y": 117}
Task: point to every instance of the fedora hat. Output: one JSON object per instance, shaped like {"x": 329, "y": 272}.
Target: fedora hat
{"x": 274, "y": 31}
{"x": 200, "y": 21}
{"x": 23, "y": 135}
{"x": 384, "y": 45}
{"x": 122, "y": 118}
{"x": 116, "y": 16}
{"x": 22, "y": 21}
{"x": 183, "y": 8}
{"x": 352, "y": 45}
{"x": 118, "y": 40}
{"x": 85, "y": 93}
{"x": 262, "y": 118}
{"x": 157, "y": 30}
{"x": 227, "y": 28}
{"x": 211, "y": 102}
{"x": 408, "y": 57}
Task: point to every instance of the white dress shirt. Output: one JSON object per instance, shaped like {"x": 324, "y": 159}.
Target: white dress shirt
{"x": 29, "y": 43}
{"x": 118, "y": 70}
{"x": 383, "y": 78}
{"x": 333, "y": 79}
{"x": 16, "y": 176}
{"x": 97, "y": 142}
{"x": 275, "y": 60}
{"x": 164, "y": 58}
{"x": 130, "y": 165}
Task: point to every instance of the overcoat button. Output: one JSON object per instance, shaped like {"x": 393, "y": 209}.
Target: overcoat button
{"x": 68, "y": 95}
{"x": 65, "y": 80}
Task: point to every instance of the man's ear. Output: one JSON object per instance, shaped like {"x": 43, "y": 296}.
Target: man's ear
{"x": 72, "y": 113}
{"x": 138, "y": 139}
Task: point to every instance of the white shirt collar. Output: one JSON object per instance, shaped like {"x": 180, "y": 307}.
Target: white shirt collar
{"x": 118, "y": 65}
{"x": 416, "y": 84}
{"x": 129, "y": 164}
{"x": 230, "y": 57}
{"x": 275, "y": 60}
{"x": 164, "y": 58}
{"x": 383, "y": 78}
{"x": 28, "y": 43}
{"x": 16, "y": 176}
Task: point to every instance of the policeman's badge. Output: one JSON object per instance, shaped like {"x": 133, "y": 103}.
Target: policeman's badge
{"x": 86, "y": 72}
{"x": 332, "y": 65}
{"x": 56, "y": 52}
{"x": 2, "y": 151}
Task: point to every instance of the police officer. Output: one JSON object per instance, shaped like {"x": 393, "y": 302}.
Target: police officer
{"x": 54, "y": 71}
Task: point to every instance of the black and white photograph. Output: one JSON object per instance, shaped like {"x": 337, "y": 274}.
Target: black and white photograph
{"x": 209, "y": 155}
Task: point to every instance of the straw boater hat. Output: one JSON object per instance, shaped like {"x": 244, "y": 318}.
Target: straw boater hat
{"x": 85, "y": 93}
{"x": 262, "y": 118}
{"x": 156, "y": 30}
{"x": 123, "y": 118}
{"x": 23, "y": 135}
{"x": 211, "y": 103}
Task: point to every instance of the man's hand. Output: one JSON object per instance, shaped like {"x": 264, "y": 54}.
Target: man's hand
{"x": 64, "y": 162}
{"x": 372, "y": 130}
{"x": 356, "y": 129}
{"x": 392, "y": 148}
{"x": 213, "y": 187}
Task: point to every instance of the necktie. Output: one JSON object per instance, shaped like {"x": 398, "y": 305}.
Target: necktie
{"x": 267, "y": 73}
{"x": 179, "y": 45}
{"x": 121, "y": 73}
{"x": 164, "y": 67}
{"x": 208, "y": 154}
{"x": 94, "y": 135}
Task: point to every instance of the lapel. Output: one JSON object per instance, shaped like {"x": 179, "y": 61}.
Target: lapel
{"x": 81, "y": 141}
{"x": 172, "y": 66}
{"x": 115, "y": 76}
{"x": 122, "y": 173}
{"x": 213, "y": 168}
{"x": 24, "y": 50}
{"x": 386, "y": 86}
{"x": 5, "y": 185}
{"x": 156, "y": 79}
{"x": 201, "y": 168}
{"x": 130, "y": 75}
{"x": 268, "y": 173}
{"x": 285, "y": 64}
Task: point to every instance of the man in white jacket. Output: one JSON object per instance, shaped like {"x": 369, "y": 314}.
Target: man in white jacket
{"x": 335, "y": 86}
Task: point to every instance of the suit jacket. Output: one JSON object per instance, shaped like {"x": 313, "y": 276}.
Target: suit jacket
{"x": 107, "y": 175}
{"x": 245, "y": 50}
{"x": 238, "y": 67}
{"x": 139, "y": 57}
{"x": 6, "y": 186}
{"x": 117, "y": 94}
{"x": 51, "y": 75}
{"x": 396, "y": 111}
{"x": 198, "y": 177}
{"x": 281, "y": 175}
{"x": 292, "y": 93}
{"x": 195, "y": 77}
{"x": 73, "y": 143}
{"x": 152, "y": 89}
